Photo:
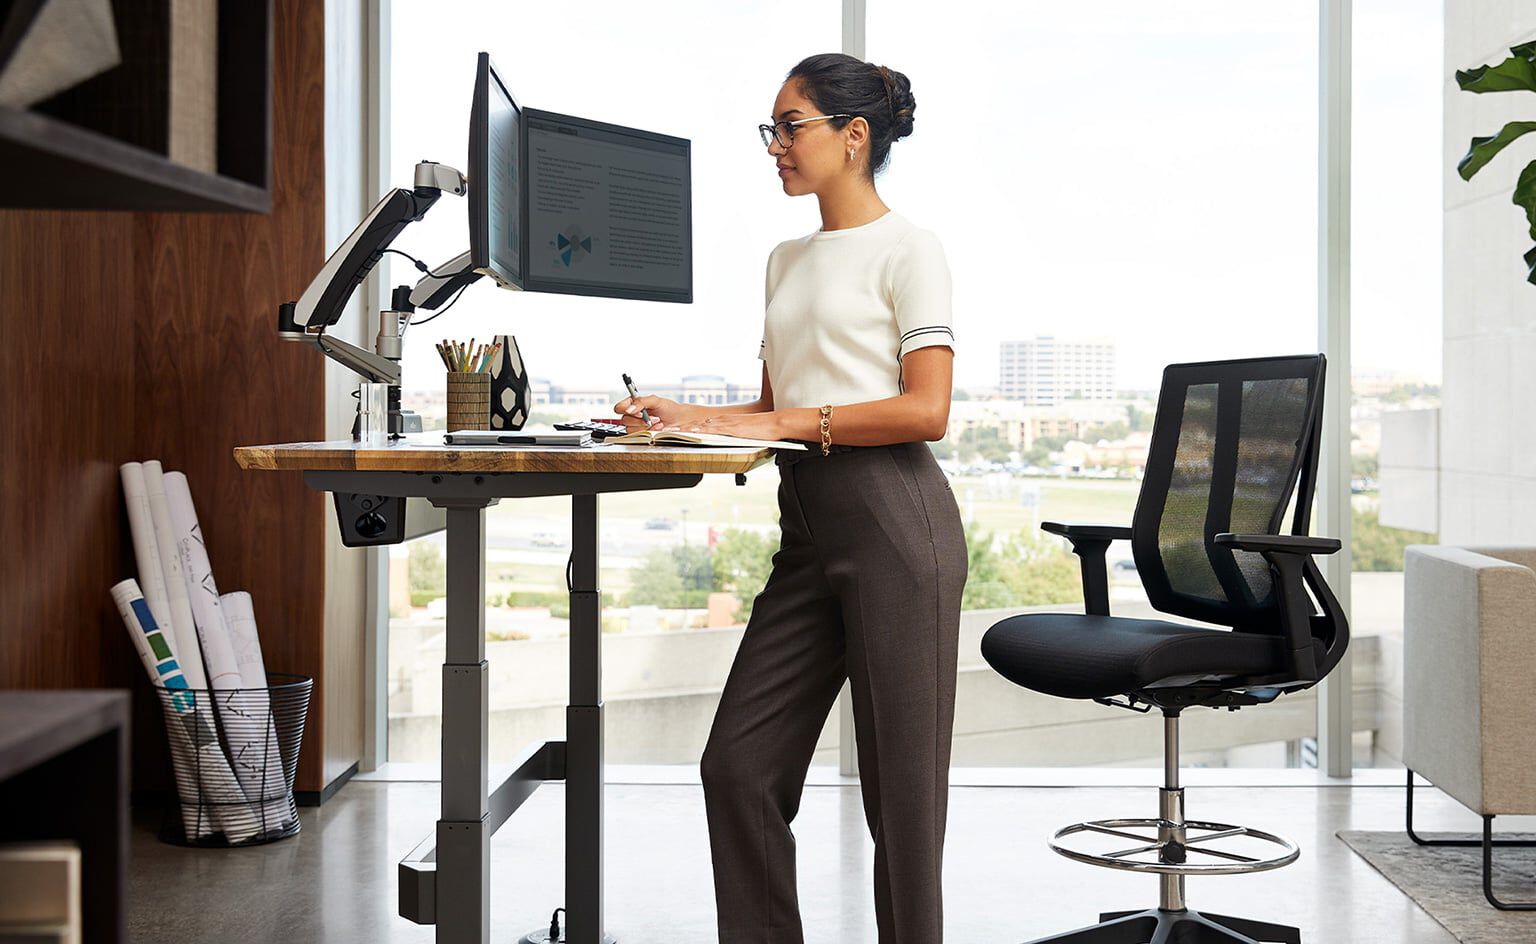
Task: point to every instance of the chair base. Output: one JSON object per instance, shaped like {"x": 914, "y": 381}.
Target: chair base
{"x": 1157, "y": 926}
{"x": 1175, "y": 841}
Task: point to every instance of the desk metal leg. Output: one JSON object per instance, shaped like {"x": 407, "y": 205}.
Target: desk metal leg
{"x": 464, "y": 830}
{"x": 584, "y": 735}
{"x": 445, "y": 880}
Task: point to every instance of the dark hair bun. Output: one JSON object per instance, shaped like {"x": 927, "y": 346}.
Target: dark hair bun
{"x": 902, "y": 103}
{"x": 840, "y": 84}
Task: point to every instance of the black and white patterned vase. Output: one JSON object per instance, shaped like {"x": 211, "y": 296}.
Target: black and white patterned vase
{"x": 510, "y": 397}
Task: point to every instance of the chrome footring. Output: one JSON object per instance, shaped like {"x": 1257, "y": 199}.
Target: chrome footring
{"x": 1171, "y": 856}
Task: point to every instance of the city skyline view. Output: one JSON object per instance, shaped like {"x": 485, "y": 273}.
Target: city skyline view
{"x": 1367, "y": 378}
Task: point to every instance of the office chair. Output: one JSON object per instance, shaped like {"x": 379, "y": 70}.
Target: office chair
{"x": 1231, "y": 442}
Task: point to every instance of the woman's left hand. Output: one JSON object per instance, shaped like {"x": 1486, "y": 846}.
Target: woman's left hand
{"x": 749, "y": 425}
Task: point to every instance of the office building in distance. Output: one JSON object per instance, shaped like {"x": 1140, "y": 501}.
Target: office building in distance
{"x": 1045, "y": 370}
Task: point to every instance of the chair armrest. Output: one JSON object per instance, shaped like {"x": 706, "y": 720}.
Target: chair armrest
{"x": 1288, "y": 556}
{"x": 1089, "y": 542}
{"x": 1094, "y": 532}
{"x": 1279, "y": 543}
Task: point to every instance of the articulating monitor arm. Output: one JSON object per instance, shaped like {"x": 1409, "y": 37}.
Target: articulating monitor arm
{"x": 322, "y": 303}
{"x": 435, "y": 289}
{"x": 371, "y": 366}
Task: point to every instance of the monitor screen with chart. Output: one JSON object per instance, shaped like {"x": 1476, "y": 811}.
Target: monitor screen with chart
{"x": 607, "y": 210}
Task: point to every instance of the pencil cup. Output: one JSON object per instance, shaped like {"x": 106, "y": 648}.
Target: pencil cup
{"x": 469, "y": 400}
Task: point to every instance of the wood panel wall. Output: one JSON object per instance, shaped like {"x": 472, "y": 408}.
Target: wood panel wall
{"x": 130, "y": 336}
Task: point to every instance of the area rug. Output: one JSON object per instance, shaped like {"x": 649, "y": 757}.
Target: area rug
{"x": 1447, "y": 882}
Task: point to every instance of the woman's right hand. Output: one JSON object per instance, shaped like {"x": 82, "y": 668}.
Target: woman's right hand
{"x": 663, "y": 412}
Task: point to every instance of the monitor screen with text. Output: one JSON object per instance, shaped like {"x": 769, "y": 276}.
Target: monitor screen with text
{"x": 607, "y": 210}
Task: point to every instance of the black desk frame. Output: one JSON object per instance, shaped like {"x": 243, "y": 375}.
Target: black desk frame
{"x": 459, "y": 851}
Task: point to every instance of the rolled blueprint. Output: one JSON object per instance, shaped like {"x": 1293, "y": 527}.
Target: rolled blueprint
{"x": 243, "y": 730}
{"x": 266, "y": 764}
{"x": 202, "y": 591}
{"x": 193, "y": 741}
{"x": 182, "y": 627}
{"x": 146, "y": 553}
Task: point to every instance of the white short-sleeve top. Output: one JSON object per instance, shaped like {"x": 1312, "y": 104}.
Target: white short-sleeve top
{"x": 843, "y": 306}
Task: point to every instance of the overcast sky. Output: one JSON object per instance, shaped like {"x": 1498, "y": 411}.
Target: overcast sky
{"x": 1142, "y": 170}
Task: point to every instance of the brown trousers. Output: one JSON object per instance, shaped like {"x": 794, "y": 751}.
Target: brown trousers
{"x": 866, "y": 586}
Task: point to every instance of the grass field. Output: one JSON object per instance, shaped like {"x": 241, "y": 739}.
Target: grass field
{"x": 994, "y": 502}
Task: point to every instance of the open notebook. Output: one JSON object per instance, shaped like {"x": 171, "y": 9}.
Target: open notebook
{"x": 680, "y": 438}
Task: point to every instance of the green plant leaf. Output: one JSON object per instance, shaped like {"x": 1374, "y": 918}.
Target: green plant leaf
{"x": 1515, "y": 74}
{"x": 1530, "y": 261}
{"x": 1483, "y": 149}
{"x": 1525, "y": 195}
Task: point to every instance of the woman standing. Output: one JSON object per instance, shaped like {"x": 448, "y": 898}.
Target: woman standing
{"x": 857, "y": 354}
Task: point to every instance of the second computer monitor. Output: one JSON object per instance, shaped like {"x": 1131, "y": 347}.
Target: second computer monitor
{"x": 495, "y": 180}
{"x": 607, "y": 210}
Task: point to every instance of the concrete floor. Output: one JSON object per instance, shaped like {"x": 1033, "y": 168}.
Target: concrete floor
{"x": 335, "y": 881}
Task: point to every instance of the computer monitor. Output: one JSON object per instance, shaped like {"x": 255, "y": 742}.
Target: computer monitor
{"x": 607, "y": 210}
{"x": 496, "y": 181}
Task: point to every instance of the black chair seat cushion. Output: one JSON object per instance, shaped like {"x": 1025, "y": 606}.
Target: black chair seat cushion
{"x": 1072, "y": 655}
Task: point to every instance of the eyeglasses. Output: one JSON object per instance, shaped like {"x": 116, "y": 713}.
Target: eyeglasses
{"x": 784, "y": 131}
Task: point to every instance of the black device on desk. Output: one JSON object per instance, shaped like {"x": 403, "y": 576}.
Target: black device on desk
{"x": 599, "y": 429}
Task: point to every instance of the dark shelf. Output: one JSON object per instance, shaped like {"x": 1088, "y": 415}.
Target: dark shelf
{"x": 64, "y": 764}
{"x": 102, "y": 144}
{"x": 55, "y": 165}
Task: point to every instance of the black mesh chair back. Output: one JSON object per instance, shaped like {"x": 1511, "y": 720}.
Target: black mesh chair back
{"x": 1231, "y": 442}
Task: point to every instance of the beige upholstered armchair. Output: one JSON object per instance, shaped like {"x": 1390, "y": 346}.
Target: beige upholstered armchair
{"x": 1469, "y": 684}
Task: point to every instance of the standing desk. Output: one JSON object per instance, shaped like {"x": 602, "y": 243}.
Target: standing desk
{"x": 446, "y": 879}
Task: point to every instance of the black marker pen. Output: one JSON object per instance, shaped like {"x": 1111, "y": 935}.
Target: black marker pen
{"x": 630, "y": 386}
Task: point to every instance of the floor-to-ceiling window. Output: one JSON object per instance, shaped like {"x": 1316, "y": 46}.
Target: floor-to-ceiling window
{"x": 1118, "y": 186}
{"x": 679, "y": 568}
{"x": 1395, "y": 250}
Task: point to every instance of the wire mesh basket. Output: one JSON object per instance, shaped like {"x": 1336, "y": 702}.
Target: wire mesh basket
{"x": 234, "y": 752}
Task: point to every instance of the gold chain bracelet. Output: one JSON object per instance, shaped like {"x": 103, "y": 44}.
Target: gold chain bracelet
{"x": 826, "y": 428}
